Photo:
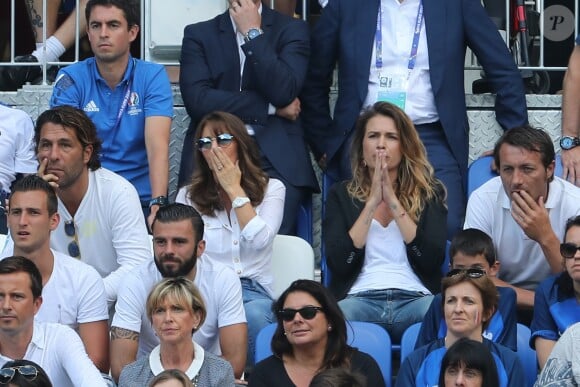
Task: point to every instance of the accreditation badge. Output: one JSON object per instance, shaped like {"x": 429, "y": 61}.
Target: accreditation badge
{"x": 393, "y": 89}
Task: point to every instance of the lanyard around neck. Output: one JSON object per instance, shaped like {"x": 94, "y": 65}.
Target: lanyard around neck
{"x": 125, "y": 102}
{"x": 414, "y": 45}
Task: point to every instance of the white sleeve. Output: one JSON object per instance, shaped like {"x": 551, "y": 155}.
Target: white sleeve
{"x": 25, "y": 156}
{"x": 131, "y": 241}
{"x": 479, "y": 212}
{"x": 130, "y": 305}
{"x": 75, "y": 361}
{"x": 92, "y": 298}
{"x": 261, "y": 230}
{"x": 229, "y": 298}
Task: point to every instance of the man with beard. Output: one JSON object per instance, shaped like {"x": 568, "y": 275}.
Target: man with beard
{"x": 178, "y": 246}
{"x": 101, "y": 220}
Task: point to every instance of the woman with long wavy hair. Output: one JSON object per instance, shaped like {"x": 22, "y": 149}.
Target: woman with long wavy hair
{"x": 385, "y": 229}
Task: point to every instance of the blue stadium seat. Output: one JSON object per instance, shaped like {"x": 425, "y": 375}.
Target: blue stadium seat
{"x": 367, "y": 337}
{"x": 327, "y": 183}
{"x": 409, "y": 339}
{"x": 527, "y": 355}
{"x": 304, "y": 221}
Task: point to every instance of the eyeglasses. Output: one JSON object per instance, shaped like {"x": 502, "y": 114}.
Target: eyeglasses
{"x": 471, "y": 273}
{"x": 307, "y": 313}
{"x": 29, "y": 372}
{"x": 568, "y": 250}
{"x": 223, "y": 140}
{"x": 73, "y": 246}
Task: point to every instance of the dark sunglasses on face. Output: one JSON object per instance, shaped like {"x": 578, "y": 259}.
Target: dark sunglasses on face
{"x": 73, "y": 246}
{"x": 471, "y": 273}
{"x": 568, "y": 250}
{"x": 307, "y": 313}
{"x": 29, "y": 372}
{"x": 223, "y": 140}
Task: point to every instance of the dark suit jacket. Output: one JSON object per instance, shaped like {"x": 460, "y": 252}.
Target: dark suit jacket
{"x": 274, "y": 71}
{"x": 345, "y": 33}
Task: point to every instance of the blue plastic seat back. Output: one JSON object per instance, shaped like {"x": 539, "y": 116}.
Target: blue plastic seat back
{"x": 409, "y": 339}
{"x": 527, "y": 355}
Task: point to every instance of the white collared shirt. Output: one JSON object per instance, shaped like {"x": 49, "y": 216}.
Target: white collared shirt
{"x": 398, "y": 26}
{"x": 192, "y": 370}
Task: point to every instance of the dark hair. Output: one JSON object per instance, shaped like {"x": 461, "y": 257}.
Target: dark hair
{"x": 18, "y": 264}
{"x": 485, "y": 286}
{"x": 564, "y": 281}
{"x": 472, "y": 242}
{"x": 530, "y": 139}
{"x": 75, "y": 119}
{"x": 338, "y": 353}
{"x": 176, "y": 212}
{"x": 172, "y": 374}
{"x": 41, "y": 380}
{"x": 203, "y": 190}
{"x": 338, "y": 377}
{"x": 416, "y": 183}
{"x": 470, "y": 354}
{"x": 130, "y": 9}
{"x": 37, "y": 183}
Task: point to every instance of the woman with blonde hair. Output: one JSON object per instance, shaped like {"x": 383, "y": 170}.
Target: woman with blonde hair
{"x": 176, "y": 310}
{"x": 385, "y": 229}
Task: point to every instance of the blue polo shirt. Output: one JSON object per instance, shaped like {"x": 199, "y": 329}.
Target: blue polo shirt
{"x": 148, "y": 91}
{"x": 422, "y": 367}
{"x": 502, "y": 327}
{"x": 554, "y": 310}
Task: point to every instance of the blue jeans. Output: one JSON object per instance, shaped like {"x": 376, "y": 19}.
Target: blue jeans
{"x": 393, "y": 309}
{"x": 258, "y": 307}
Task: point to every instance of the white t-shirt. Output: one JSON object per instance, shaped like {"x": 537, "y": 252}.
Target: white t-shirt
{"x": 17, "y": 154}
{"x": 249, "y": 251}
{"x": 73, "y": 295}
{"x": 522, "y": 260}
{"x": 110, "y": 229}
{"x": 61, "y": 353}
{"x": 221, "y": 291}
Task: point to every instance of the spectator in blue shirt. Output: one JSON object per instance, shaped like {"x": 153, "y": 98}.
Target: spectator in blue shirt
{"x": 473, "y": 249}
{"x": 556, "y": 304}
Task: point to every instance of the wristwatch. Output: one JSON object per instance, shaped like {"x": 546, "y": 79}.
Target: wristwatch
{"x": 252, "y": 34}
{"x": 569, "y": 142}
{"x": 159, "y": 201}
{"x": 240, "y": 201}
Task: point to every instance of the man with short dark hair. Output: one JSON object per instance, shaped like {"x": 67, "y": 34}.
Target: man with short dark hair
{"x": 55, "y": 347}
{"x": 102, "y": 223}
{"x": 473, "y": 249}
{"x": 524, "y": 210}
{"x": 74, "y": 293}
{"x": 178, "y": 245}
{"x": 129, "y": 100}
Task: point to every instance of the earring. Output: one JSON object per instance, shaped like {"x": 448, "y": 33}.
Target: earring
{"x": 329, "y": 328}
{"x": 285, "y": 333}
{"x": 364, "y": 163}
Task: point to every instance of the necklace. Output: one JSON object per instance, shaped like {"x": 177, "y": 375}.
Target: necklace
{"x": 195, "y": 380}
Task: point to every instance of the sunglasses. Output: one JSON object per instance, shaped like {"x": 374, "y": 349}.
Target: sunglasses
{"x": 29, "y": 372}
{"x": 471, "y": 273}
{"x": 307, "y": 313}
{"x": 223, "y": 140}
{"x": 73, "y": 246}
{"x": 568, "y": 250}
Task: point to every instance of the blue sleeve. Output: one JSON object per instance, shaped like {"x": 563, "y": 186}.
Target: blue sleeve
{"x": 65, "y": 91}
{"x": 158, "y": 98}
{"x": 543, "y": 324}
{"x": 507, "y": 310}
{"x": 431, "y": 323}
{"x": 513, "y": 368}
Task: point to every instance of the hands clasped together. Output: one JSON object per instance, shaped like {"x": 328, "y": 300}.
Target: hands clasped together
{"x": 382, "y": 186}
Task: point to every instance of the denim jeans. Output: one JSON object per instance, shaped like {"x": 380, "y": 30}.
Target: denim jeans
{"x": 258, "y": 307}
{"x": 393, "y": 309}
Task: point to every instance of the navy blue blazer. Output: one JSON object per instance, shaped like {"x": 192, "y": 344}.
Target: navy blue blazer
{"x": 274, "y": 72}
{"x": 345, "y": 33}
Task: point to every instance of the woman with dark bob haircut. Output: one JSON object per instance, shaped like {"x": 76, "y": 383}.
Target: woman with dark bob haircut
{"x": 385, "y": 229}
{"x": 469, "y": 299}
{"x": 310, "y": 338}
{"x": 23, "y": 373}
{"x": 468, "y": 363}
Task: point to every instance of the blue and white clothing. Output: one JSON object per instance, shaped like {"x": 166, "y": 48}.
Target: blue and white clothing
{"x": 502, "y": 328}
{"x": 555, "y": 309}
{"x": 422, "y": 367}
{"x": 120, "y": 125}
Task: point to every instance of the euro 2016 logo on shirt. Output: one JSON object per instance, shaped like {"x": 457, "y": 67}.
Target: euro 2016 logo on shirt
{"x": 133, "y": 104}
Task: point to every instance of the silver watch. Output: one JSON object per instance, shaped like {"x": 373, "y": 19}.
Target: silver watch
{"x": 240, "y": 201}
